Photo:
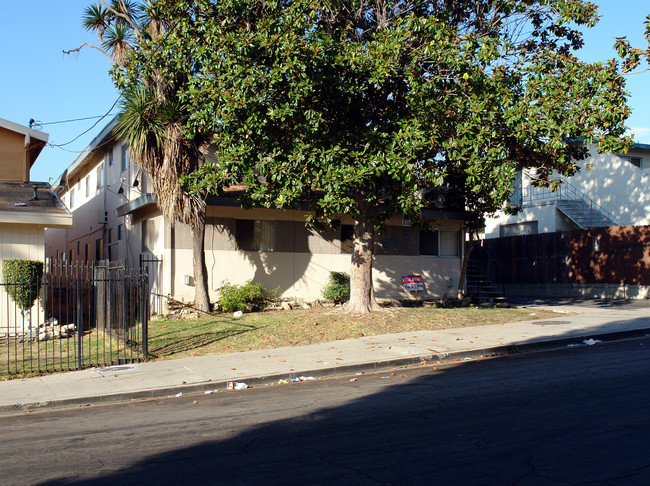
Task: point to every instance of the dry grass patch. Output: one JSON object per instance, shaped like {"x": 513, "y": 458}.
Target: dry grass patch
{"x": 176, "y": 338}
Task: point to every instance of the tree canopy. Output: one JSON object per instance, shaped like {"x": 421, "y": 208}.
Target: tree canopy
{"x": 372, "y": 108}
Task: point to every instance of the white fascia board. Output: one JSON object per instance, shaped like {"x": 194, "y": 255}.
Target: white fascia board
{"x": 15, "y": 127}
{"x": 43, "y": 219}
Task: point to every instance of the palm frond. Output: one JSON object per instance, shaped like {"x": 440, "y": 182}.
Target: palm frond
{"x": 117, "y": 40}
{"x": 142, "y": 123}
{"x": 96, "y": 19}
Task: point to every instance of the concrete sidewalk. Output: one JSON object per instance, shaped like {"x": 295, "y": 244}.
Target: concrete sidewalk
{"x": 575, "y": 323}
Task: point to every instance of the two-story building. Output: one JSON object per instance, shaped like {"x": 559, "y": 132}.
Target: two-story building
{"x": 609, "y": 190}
{"x": 26, "y": 207}
{"x": 117, "y": 219}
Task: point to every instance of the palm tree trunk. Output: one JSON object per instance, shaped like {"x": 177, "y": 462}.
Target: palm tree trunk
{"x": 201, "y": 295}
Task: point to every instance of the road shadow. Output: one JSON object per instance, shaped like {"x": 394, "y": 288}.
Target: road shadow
{"x": 521, "y": 420}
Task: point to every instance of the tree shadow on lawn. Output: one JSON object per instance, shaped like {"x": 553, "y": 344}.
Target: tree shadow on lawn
{"x": 196, "y": 341}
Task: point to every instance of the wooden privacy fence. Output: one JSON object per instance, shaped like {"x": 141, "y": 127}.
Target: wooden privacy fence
{"x": 86, "y": 315}
{"x": 609, "y": 255}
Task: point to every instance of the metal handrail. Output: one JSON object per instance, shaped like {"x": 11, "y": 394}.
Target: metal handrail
{"x": 564, "y": 191}
{"x": 488, "y": 271}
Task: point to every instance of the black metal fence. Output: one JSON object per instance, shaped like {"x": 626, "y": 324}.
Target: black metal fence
{"x": 85, "y": 315}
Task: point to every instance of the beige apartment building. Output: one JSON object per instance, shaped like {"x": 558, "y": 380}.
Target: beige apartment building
{"x": 117, "y": 219}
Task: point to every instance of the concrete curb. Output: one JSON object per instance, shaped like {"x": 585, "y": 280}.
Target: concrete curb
{"x": 263, "y": 380}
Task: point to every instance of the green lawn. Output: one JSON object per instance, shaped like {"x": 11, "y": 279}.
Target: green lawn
{"x": 30, "y": 358}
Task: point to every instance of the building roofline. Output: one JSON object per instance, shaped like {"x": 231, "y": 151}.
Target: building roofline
{"x": 15, "y": 127}
{"x": 87, "y": 152}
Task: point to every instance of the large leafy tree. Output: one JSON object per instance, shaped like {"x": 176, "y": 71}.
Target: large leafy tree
{"x": 372, "y": 108}
{"x": 131, "y": 33}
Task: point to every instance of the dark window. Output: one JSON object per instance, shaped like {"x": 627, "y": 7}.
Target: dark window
{"x": 254, "y": 235}
{"x": 98, "y": 249}
{"x": 245, "y": 234}
{"x": 428, "y": 242}
{"x": 119, "y": 232}
{"x": 347, "y": 238}
{"x": 125, "y": 158}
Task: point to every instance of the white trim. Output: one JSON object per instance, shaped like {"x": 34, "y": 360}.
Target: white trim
{"x": 49, "y": 220}
{"x": 23, "y": 130}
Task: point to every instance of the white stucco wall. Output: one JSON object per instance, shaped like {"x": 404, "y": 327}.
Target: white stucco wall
{"x": 610, "y": 181}
{"x": 304, "y": 275}
{"x": 617, "y": 185}
{"x": 545, "y": 215}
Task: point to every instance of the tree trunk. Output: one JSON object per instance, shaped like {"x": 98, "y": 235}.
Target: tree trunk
{"x": 201, "y": 296}
{"x": 362, "y": 293}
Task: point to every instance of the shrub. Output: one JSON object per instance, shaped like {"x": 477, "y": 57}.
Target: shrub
{"x": 23, "y": 279}
{"x": 338, "y": 287}
{"x": 246, "y": 298}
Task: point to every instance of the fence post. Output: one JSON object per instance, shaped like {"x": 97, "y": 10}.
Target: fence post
{"x": 79, "y": 319}
{"x": 144, "y": 297}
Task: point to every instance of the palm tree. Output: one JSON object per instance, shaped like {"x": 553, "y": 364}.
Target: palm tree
{"x": 150, "y": 122}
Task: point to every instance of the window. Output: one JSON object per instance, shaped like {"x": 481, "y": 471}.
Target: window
{"x": 428, "y": 243}
{"x": 110, "y": 156}
{"x": 87, "y": 186}
{"x": 255, "y": 235}
{"x": 119, "y": 232}
{"x": 70, "y": 254}
{"x": 71, "y": 198}
{"x": 110, "y": 235}
{"x": 636, "y": 161}
{"x": 100, "y": 176}
{"x": 513, "y": 229}
{"x": 440, "y": 243}
{"x": 449, "y": 243}
{"x": 98, "y": 249}
{"x": 347, "y": 238}
{"x": 86, "y": 251}
{"x": 125, "y": 157}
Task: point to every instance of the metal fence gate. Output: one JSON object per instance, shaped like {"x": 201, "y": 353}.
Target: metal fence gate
{"x": 85, "y": 315}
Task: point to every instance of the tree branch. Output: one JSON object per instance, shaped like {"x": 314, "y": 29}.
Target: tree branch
{"x": 85, "y": 44}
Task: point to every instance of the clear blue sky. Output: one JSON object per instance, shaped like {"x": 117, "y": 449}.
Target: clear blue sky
{"x": 37, "y": 81}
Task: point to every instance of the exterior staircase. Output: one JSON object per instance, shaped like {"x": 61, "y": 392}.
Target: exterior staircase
{"x": 574, "y": 204}
{"x": 583, "y": 214}
{"x": 481, "y": 286}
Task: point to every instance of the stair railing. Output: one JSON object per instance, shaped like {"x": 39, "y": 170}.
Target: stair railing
{"x": 564, "y": 191}
{"x": 489, "y": 266}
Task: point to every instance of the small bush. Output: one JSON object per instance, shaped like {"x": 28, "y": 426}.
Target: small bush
{"x": 338, "y": 287}
{"x": 246, "y": 298}
{"x": 24, "y": 278}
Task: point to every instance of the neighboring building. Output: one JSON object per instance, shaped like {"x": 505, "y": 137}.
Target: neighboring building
{"x": 609, "y": 190}
{"x": 118, "y": 220}
{"x": 26, "y": 207}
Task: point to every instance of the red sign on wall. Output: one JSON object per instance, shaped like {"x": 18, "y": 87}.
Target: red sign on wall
{"x": 412, "y": 282}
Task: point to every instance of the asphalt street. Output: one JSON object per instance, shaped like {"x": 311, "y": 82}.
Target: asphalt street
{"x": 570, "y": 416}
